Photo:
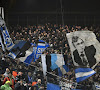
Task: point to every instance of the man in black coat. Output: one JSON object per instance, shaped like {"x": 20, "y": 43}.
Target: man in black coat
{"x": 83, "y": 55}
{"x": 20, "y": 86}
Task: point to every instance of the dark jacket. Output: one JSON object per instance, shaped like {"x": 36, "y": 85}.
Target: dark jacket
{"x": 90, "y": 52}
{"x": 20, "y": 87}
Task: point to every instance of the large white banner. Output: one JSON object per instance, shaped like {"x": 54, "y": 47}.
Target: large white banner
{"x": 85, "y": 48}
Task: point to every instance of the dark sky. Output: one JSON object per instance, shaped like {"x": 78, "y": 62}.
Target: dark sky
{"x": 53, "y": 5}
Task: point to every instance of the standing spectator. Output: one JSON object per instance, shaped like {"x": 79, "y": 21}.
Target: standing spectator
{"x": 3, "y": 63}
{"x": 6, "y": 72}
{"x": 29, "y": 79}
{"x": 6, "y": 86}
{"x": 20, "y": 86}
{"x": 39, "y": 85}
{"x": 9, "y": 78}
{"x": 19, "y": 76}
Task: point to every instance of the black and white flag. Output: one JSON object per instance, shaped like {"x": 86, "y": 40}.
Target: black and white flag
{"x": 85, "y": 48}
{"x": 54, "y": 62}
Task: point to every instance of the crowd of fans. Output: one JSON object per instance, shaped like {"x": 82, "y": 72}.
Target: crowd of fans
{"x": 31, "y": 77}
